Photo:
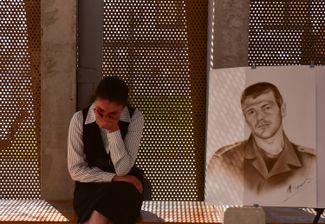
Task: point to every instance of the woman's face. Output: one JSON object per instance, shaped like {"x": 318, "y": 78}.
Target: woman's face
{"x": 108, "y": 109}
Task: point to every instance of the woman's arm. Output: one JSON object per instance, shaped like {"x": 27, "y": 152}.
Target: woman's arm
{"x": 77, "y": 166}
{"x": 124, "y": 153}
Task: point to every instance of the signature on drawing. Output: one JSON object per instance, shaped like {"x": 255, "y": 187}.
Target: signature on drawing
{"x": 293, "y": 189}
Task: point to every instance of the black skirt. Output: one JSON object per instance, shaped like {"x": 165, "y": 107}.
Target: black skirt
{"x": 118, "y": 201}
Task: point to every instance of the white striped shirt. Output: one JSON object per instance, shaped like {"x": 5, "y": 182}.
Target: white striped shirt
{"x": 123, "y": 153}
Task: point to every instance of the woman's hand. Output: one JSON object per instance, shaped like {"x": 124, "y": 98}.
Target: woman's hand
{"x": 107, "y": 121}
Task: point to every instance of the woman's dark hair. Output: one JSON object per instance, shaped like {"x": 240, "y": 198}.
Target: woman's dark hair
{"x": 113, "y": 89}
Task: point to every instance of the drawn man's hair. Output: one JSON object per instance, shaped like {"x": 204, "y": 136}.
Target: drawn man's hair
{"x": 260, "y": 88}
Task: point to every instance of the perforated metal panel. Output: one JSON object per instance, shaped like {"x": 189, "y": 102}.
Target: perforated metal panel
{"x": 20, "y": 98}
{"x": 289, "y": 32}
{"x": 157, "y": 47}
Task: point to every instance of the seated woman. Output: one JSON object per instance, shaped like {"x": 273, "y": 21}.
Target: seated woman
{"x": 103, "y": 144}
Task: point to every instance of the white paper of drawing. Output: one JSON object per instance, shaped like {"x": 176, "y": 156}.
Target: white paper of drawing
{"x": 320, "y": 86}
{"x": 261, "y": 140}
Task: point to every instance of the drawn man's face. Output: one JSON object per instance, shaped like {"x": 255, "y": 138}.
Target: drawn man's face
{"x": 263, "y": 115}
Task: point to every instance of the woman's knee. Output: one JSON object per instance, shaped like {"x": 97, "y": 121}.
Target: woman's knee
{"x": 97, "y": 218}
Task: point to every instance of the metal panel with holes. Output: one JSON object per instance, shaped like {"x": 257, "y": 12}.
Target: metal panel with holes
{"x": 20, "y": 99}
{"x": 290, "y": 32}
{"x": 159, "y": 48}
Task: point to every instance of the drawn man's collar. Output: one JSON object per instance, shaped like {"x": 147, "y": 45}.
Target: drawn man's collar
{"x": 91, "y": 118}
{"x": 287, "y": 158}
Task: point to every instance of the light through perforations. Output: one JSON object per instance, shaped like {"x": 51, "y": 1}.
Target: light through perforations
{"x": 146, "y": 44}
{"x": 29, "y": 211}
{"x": 181, "y": 212}
{"x": 20, "y": 99}
{"x": 290, "y": 32}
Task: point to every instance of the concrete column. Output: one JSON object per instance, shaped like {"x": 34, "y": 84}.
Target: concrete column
{"x": 58, "y": 95}
{"x": 228, "y": 33}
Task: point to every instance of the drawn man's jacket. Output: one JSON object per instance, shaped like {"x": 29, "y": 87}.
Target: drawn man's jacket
{"x": 292, "y": 176}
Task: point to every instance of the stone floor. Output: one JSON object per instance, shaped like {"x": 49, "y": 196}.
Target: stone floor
{"x": 153, "y": 212}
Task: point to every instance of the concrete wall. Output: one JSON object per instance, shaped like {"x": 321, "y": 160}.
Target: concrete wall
{"x": 58, "y": 95}
{"x": 228, "y": 33}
